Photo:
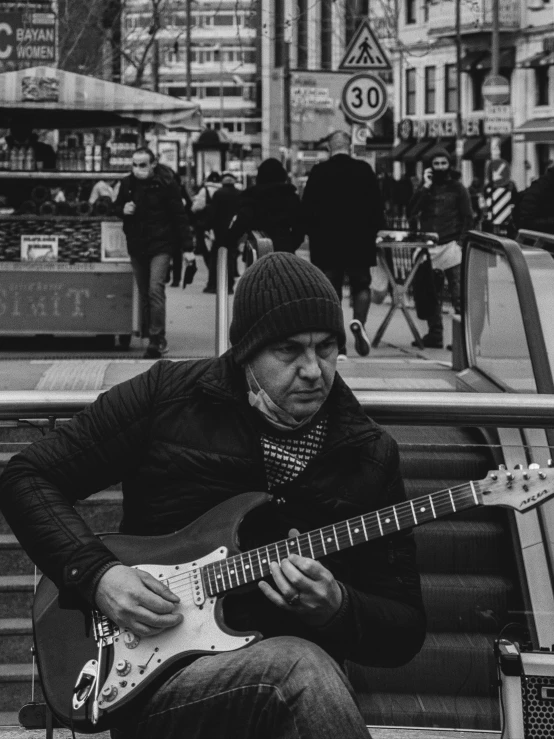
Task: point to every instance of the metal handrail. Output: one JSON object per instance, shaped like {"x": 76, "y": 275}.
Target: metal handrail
{"x": 507, "y": 410}
{"x": 535, "y": 240}
{"x": 536, "y": 343}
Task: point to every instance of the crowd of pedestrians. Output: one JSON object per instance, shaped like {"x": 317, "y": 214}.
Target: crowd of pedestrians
{"x": 344, "y": 205}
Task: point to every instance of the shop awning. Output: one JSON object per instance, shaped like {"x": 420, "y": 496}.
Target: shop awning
{"x": 53, "y": 98}
{"x": 542, "y": 59}
{"x": 537, "y": 130}
{"x": 471, "y": 146}
{"x": 416, "y": 151}
{"x": 400, "y": 149}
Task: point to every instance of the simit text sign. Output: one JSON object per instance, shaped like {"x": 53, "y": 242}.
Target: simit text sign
{"x": 28, "y": 37}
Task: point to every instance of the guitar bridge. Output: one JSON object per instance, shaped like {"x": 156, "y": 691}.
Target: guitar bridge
{"x": 104, "y": 629}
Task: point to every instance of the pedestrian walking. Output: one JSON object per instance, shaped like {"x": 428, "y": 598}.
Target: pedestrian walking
{"x": 154, "y": 218}
{"x": 225, "y": 204}
{"x": 343, "y": 211}
{"x": 536, "y": 210}
{"x": 442, "y": 205}
{"x": 201, "y": 213}
{"x": 271, "y": 206}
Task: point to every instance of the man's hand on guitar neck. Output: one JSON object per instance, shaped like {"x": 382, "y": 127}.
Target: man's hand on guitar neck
{"x": 134, "y": 599}
{"x": 304, "y": 587}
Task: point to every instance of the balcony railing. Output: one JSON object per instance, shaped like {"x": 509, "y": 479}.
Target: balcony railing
{"x": 475, "y": 15}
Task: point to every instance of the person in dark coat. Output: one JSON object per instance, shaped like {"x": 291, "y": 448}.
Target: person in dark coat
{"x": 272, "y": 206}
{"x": 536, "y": 204}
{"x": 271, "y": 415}
{"x": 154, "y": 218}
{"x": 224, "y": 206}
{"x": 343, "y": 211}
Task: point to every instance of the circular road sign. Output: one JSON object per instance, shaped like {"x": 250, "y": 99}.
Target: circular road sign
{"x": 496, "y": 89}
{"x": 498, "y": 172}
{"x": 364, "y": 97}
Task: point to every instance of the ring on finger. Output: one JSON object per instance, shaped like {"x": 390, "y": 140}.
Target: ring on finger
{"x": 294, "y": 600}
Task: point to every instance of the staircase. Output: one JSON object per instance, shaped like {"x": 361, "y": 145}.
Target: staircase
{"x": 468, "y": 580}
{"x": 470, "y": 592}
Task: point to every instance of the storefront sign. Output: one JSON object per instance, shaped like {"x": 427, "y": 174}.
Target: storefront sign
{"x": 315, "y": 100}
{"x": 434, "y": 128}
{"x": 28, "y": 37}
{"x": 39, "y": 248}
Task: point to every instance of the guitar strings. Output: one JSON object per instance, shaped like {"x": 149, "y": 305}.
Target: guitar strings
{"x": 442, "y": 503}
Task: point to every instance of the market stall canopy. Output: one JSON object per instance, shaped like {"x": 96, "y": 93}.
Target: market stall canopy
{"x": 45, "y": 97}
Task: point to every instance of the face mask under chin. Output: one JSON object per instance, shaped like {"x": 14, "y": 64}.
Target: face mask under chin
{"x": 273, "y": 414}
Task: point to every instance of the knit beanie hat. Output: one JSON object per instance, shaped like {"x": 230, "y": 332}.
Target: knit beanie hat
{"x": 439, "y": 151}
{"x": 278, "y": 296}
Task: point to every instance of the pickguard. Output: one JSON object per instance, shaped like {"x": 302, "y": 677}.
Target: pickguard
{"x": 138, "y": 659}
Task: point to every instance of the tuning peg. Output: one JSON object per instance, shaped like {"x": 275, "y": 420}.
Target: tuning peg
{"x": 542, "y": 475}
{"x": 534, "y": 466}
{"x": 494, "y": 476}
{"x": 550, "y": 463}
{"x": 501, "y": 466}
{"x": 518, "y": 467}
{"x": 509, "y": 477}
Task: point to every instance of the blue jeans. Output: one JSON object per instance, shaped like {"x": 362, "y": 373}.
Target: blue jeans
{"x": 150, "y": 274}
{"x": 280, "y": 688}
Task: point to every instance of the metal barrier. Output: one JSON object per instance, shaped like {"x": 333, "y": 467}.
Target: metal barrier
{"x": 509, "y": 410}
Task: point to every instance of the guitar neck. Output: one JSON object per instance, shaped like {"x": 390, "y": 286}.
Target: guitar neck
{"x": 248, "y": 567}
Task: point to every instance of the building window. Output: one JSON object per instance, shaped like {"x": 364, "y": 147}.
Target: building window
{"x": 354, "y": 12}
{"x": 430, "y": 89}
{"x": 410, "y": 92}
{"x": 279, "y": 40}
{"x": 222, "y": 19}
{"x": 477, "y": 78}
{"x": 410, "y": 12}
{"x": 326, "y": 34}
{"x": 302, "y": 34}
{"x": 542, "y": 82}
{"x": 450, "y": 89}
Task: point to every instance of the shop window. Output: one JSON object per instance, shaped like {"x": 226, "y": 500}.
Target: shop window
{"x": 542, "y": 83}
{"x": 450, "y": 89}
{"x": 410, "y": 92}
{"x": 430, "y": 89}
{"x": 477, "y": 78}
{"x": 410, "y": 12}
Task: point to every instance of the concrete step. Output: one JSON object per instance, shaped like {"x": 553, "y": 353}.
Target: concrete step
{"x": 16, "y": 640}
{"x": 15, "y": 686}
{"x": 13, "y": 560}
{"x": 16, "y": 595}
{"x": 101, "y": 511}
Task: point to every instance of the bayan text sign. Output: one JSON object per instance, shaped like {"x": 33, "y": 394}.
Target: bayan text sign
{"x": 27, "y": 37}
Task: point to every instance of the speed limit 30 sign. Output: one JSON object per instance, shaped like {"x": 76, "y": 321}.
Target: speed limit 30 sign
{"x": 364, "y": 97}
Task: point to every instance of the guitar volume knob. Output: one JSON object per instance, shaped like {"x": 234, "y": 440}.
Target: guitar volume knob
{"x": 109, "y": 692}
{"x": 131, "y": 640}
{"x": 123, "y": 667}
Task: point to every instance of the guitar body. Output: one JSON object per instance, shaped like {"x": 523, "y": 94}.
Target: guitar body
{"x": 64, "y": 640}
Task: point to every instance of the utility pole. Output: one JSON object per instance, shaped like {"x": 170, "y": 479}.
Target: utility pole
{"x": 459, "y": 131}
{"x": 495, "y": 55}
{"x": 188, "y": 50}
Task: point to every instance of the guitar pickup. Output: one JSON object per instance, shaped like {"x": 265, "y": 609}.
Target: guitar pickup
{"x": 197, "y": 587}
{"x": 85, "y": 684}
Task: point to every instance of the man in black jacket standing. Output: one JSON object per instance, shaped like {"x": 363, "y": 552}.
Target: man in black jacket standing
{"x": 270, "y": 415}
{"x": 154, "y": 218}
{"x": 536, "y": 205}
{"x": 443, "y": 206}
{"x": 343, "y": 211}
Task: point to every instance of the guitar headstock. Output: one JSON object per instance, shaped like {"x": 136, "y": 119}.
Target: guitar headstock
{"x": 520, "y": 489}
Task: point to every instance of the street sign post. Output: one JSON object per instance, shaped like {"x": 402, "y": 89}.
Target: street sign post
{"x": 498, "y": 172}
{"x": 496, "y": 89}
{"x": 364, "y": 98}
{"x": 364, "y": 51}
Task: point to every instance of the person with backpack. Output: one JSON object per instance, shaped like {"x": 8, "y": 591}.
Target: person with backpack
{"x": 202, "y": 213}
{"x": 154, "y": 219}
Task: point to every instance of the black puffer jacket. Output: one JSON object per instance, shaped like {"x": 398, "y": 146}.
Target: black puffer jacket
{"x": 160, "y": 220}
{"x": 536, "y": 206}
{"x": 443, "y": 208}
{"x": 273, "y": 208}
{"x": 183, "y": 438}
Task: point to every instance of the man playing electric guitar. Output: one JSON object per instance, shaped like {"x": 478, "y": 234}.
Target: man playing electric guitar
{"x": 271, "y": 415}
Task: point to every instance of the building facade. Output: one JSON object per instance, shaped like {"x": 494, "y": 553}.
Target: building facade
{"x": 431, "y": 108}
{"x": 224, "y": 53}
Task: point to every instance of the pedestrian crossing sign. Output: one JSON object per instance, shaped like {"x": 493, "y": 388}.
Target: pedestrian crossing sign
{"x": 364, "y": 51}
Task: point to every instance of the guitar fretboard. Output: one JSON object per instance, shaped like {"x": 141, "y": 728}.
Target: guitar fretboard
{"x": 248, "y": 567}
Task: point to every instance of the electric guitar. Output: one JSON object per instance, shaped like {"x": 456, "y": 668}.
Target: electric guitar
{"x": 90, "y": 669}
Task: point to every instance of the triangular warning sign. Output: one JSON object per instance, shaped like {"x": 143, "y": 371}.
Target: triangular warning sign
{"x": 364, "y": 51}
